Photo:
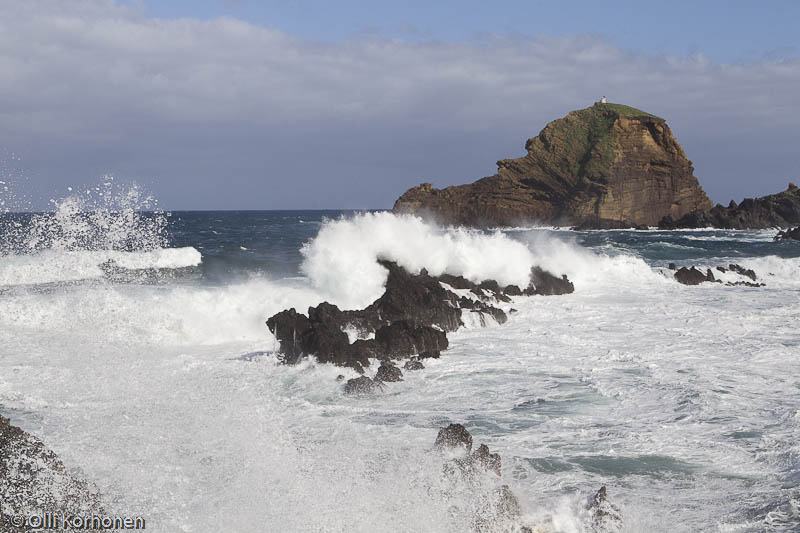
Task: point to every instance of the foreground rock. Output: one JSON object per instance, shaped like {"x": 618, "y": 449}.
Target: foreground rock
{"x": 34, "y": 480}
{"x": 411, "y": 318}
{"x": 607, "y": 166}
{"x": 774, "y": 210}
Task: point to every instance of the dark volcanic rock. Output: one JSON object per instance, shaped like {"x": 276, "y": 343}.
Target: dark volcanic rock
{"x": 512, "y": 290}
{"x": 388, "y": 372}
{"x": 410, "y": 318}
{"x": 774, "y": 210}
{"x": 33, "y": 479}
{"x": 454, "y": 436}
{"x": 419, "y": 298}
{"x": 743, "y": 271}
{"x": 607, "y": 166}
{"x": 289, "y": 326}
{"x": 414, "y": 364}
{"x": 545, "y": 283}
{"x": 361, "y": 385}
{"x": 692, "y": 276}
{"x": 403, "y": 338}
{"x": 790, "y": 233}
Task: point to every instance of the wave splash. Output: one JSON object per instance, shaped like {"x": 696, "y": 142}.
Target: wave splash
{"x": 83, "y": 232}
{"x": 341, "y": 260}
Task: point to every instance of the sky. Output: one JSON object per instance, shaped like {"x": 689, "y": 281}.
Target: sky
{"x": 236, "y": 104}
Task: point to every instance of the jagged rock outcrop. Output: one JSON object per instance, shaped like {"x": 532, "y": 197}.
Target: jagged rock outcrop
{"x": 605, "y": 166}
{"x": 789, "y": 234}
{"x": 774, "y": 210}
{"x": 411, "y": 318}
{"x": 695, "y": 276}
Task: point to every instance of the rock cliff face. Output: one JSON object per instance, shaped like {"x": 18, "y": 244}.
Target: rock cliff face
{"x": 605, "y": 166}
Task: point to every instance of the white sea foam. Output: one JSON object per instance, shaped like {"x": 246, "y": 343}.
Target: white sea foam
{"x": 659, "y": 391}
{"x": 52, "y": 266}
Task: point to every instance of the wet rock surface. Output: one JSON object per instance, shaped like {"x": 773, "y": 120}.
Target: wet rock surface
{"x": 546, "y": 284}
{"x": 692, "y": 276}
{"x": 410, "y": 319}
{"x": 34, "y": 480}
{"x": 695, "y": 276}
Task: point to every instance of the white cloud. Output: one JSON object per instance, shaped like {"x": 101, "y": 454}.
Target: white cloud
{"x": 91, "y": 86}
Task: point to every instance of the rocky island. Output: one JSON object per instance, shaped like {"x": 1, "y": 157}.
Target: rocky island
{"x": 606, "y": 166}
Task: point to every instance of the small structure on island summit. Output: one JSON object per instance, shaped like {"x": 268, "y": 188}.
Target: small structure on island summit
{"x": 606, "y": 166}
{"x": 603, "y": 100}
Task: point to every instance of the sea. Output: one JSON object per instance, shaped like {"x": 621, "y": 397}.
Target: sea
{"x": 133, "y": 343}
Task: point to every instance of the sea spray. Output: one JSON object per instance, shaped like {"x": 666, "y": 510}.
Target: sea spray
{"x": 85, "y": 231}
{"x": 341, "y": 260}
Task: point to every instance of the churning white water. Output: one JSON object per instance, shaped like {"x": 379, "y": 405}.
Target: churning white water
{"x": 683, "y": 401}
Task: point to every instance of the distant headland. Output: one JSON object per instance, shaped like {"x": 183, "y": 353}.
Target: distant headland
{"x": 606, "y": 166}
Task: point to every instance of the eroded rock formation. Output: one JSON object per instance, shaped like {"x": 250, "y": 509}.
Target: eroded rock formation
{"x": 605, "y": 166}
{"x": 411, "y": 318}
{"x": 789, "y": 234}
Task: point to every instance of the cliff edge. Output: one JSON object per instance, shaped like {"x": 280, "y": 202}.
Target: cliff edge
{"x": 605, "y": 166}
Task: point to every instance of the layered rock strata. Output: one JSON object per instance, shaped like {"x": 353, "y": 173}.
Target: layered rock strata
{"x": 606, "y": 166}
